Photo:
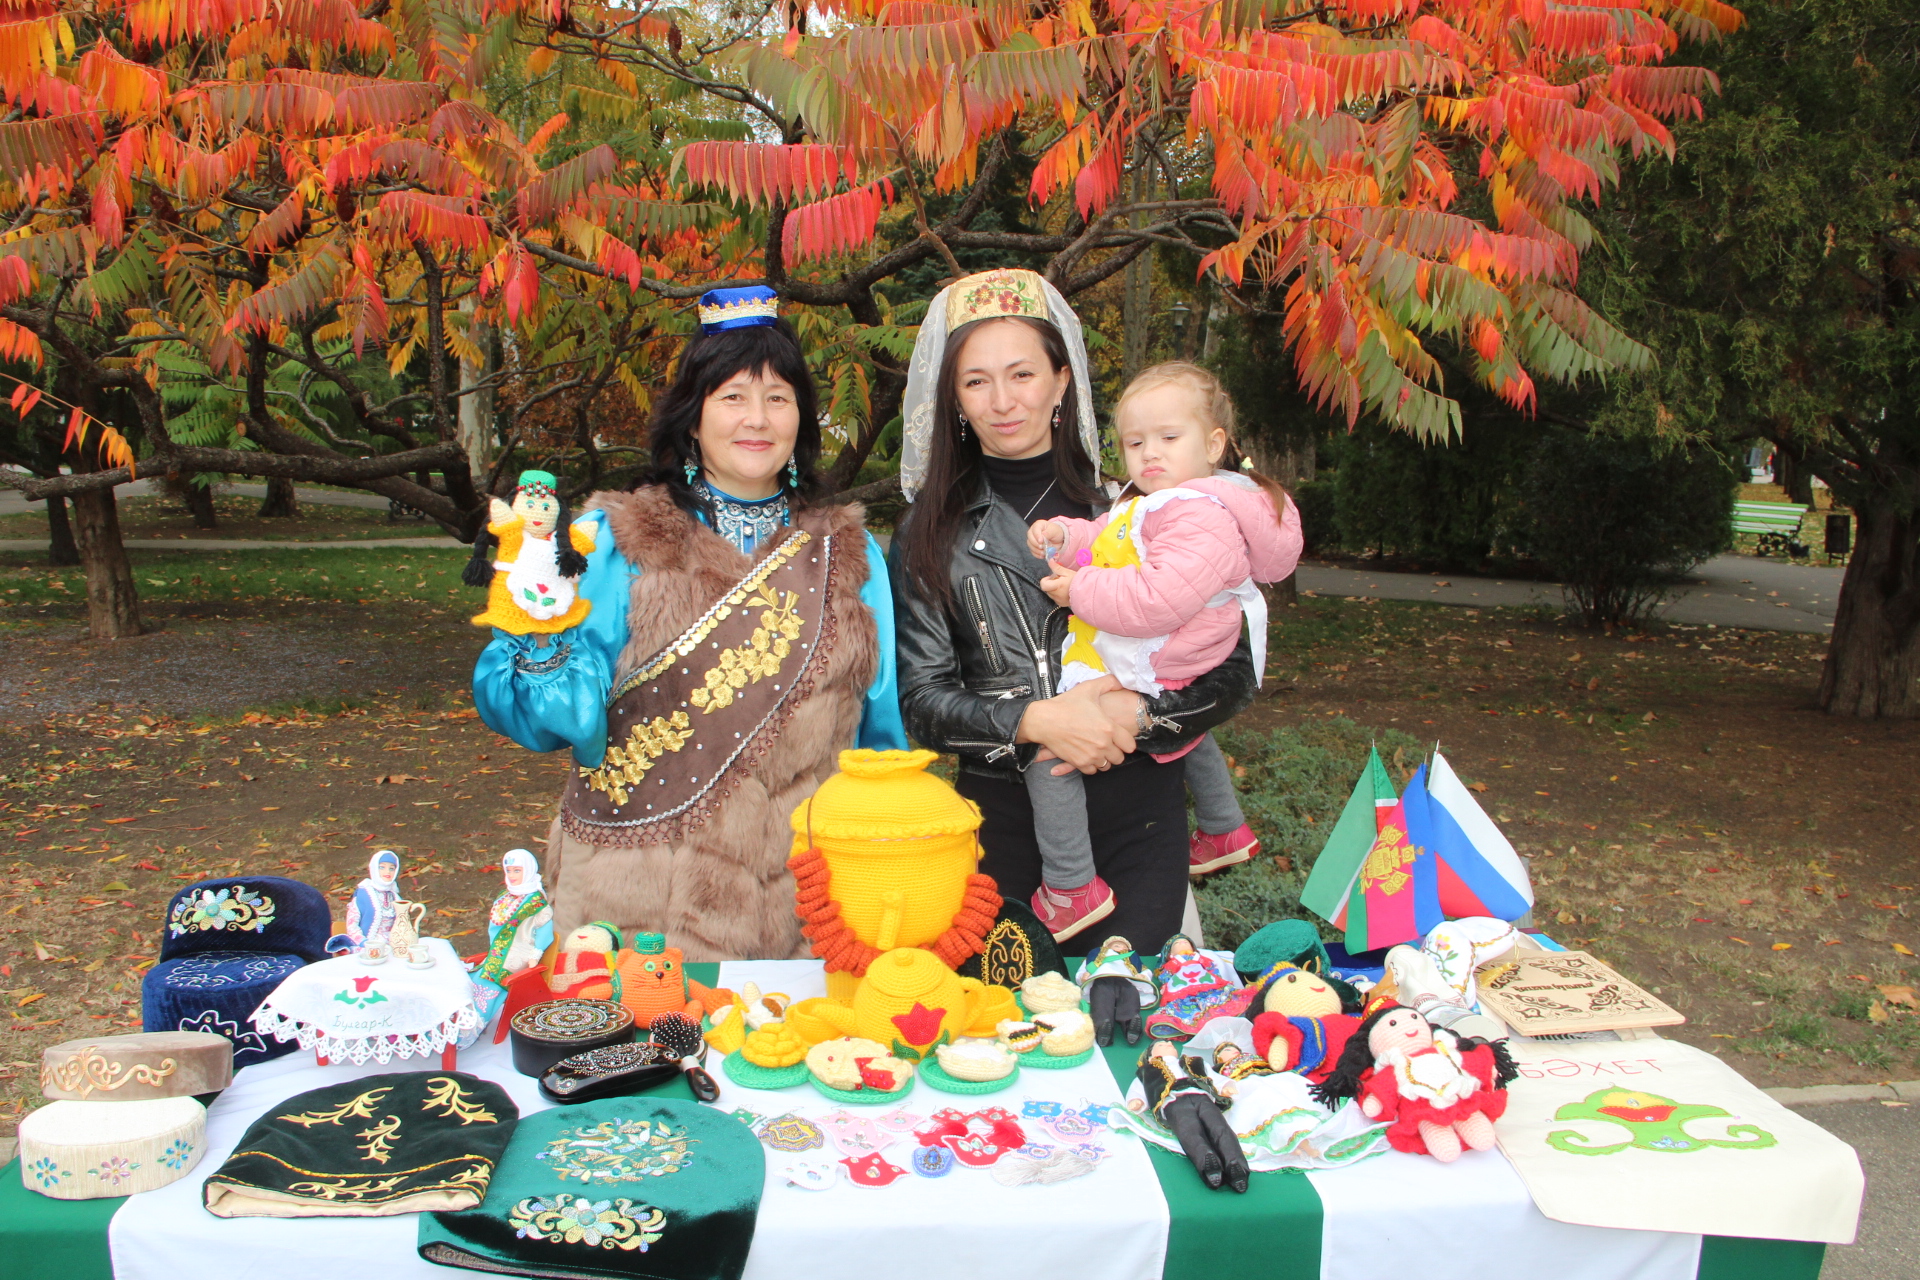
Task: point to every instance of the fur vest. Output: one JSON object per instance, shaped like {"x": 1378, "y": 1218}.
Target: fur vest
{"x": 723, "y": 891}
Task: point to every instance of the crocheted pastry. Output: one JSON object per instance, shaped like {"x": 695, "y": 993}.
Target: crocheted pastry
{"x": 749, "y": 1075}
{"x": 976, "y": 1060}
{"x": 937, "y": 1078}
{"x": 1068, "y": 1032}
{"x": 774, "y": 1045}
{"x": 836, "y": 1063}
{"x": 1048, "y": 992}
{"x": 1021, "y": 1037}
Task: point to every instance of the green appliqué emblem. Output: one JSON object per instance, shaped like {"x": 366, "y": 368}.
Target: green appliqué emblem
{"x": 619, "y": 1151}
{"x": 1653, "y": 1123}
{"x": 362, "y": 994}
{"x": 598, "y": 1224}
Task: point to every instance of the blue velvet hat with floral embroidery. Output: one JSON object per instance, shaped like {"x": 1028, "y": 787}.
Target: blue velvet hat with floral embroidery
{"x": 224, "y": 946}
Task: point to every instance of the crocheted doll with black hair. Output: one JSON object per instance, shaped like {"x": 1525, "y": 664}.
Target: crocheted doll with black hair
{"x": 1438, "y": 1094}
{"x": 531, "y": 586}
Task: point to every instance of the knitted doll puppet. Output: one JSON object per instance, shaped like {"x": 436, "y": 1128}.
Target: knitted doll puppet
{"x": 1300, "y": 1026}
{"x": 1438, "y": 1094}
{"x": 531, "y": 586}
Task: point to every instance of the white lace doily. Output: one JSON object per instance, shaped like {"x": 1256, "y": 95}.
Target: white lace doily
{"x": 353, "y": 1012}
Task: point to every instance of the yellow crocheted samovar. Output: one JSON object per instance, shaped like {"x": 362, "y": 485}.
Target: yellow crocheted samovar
{"x": 884, "y": 856}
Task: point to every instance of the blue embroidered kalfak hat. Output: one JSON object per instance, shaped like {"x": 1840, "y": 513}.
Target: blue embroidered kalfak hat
{"x": 723, "y": 309}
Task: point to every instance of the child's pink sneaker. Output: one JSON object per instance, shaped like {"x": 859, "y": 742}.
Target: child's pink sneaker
{"x": 1066, "y": 912}
{"x": 1210, "y": 853}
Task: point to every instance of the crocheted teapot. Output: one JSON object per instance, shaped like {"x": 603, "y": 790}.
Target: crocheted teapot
{"x": 910, "y": 1001}
{"x": 883, "y": 857}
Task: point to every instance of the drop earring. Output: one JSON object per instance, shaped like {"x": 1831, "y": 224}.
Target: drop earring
{"x": 693, "y": 472}
{"x": 1056, "y": 418}
{"x": 793, "y": 474}
{"x": 963, "y": 428}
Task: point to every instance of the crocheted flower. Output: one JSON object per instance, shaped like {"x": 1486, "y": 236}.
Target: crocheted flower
{"x": 919, "y": 1025}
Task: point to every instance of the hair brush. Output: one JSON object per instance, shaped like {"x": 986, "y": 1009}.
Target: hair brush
{"x": 620, "y": 1069}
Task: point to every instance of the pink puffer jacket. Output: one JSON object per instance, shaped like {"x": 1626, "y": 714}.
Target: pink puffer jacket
{"x": 1195, "y": 549}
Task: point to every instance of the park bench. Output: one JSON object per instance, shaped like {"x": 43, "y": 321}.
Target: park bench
{"x": 1768, "y": 517}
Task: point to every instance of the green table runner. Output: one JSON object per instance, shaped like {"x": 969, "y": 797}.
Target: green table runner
{"x": 1210, "y": 1234}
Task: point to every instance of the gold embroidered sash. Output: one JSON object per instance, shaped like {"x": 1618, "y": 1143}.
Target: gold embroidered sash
{"x": 696, "y": 717}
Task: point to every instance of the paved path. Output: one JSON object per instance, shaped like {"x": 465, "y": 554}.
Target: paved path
{"x": 1726, "y": 591}
{"x": 1888, "y": 1140}
{"x": 13, "y": 502}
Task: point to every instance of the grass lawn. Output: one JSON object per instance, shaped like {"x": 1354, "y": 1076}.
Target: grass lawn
{"x": 151, "y": 519}
{"x": 1688, "y": 814}
{"x": 1689, "y": 817}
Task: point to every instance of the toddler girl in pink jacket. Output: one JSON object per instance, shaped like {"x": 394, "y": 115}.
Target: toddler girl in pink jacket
{"x": 1158, "y": 587}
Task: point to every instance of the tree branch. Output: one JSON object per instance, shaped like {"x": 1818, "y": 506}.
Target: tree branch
{"x": 315, "y": 469}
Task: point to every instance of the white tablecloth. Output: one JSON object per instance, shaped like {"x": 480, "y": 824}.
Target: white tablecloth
{"x": 1110, "y": 1225}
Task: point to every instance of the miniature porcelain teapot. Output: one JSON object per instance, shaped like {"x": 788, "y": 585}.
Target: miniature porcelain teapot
{"x": 405, "y": 937}
{"x": 908, "y": 999}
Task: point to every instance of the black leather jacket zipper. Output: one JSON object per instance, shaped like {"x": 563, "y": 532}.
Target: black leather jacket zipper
{"x": 977, "y": 606}
{"x": 1042, "y": 669}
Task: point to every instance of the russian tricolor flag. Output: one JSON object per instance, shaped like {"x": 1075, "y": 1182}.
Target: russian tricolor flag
{"x": 1476, "y": 871}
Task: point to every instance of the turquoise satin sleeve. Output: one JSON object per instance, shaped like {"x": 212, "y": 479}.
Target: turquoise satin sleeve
{"x": 881, "y": 728}
{"x": 550, "y": 696}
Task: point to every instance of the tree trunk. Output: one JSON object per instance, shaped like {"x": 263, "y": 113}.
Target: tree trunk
{"x": 1873, "y": 661}
{"x": 1790, "y": 471}
{"x": 60, "y": 548}
{"x": 280, "y": 503}
{"x": 199, "y": 500}
{"x": 113, "y": 606}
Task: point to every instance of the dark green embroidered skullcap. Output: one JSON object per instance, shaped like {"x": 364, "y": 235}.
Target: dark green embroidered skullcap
{"x": 368, "y": 1148}
{"x": 1295, "y": 941}
{"x": 1016, "y": 948}
{"x": 620, "y": 1188}
{"x": 538, "y": 480}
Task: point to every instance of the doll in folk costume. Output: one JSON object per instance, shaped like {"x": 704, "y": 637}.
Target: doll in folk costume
{"x": 1437, "y": 1094}
{"x": 371, "y": 913}
{"x": 1300, "y": 1026}
{"x": 531, "y": 586}
{"x": 519, "y": 931}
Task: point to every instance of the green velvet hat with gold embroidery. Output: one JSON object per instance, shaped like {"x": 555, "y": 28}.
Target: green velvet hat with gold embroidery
{"x": 368, "y": 1148}
{"x": 620, "y": 1188}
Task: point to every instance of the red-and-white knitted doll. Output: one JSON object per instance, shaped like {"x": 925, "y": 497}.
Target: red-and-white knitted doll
{"x": 1438, "y": 1094}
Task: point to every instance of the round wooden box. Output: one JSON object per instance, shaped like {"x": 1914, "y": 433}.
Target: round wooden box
{"x": 545, "y": 1033}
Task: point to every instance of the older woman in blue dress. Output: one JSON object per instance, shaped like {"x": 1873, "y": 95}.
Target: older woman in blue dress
{"x": 741, "y": 635}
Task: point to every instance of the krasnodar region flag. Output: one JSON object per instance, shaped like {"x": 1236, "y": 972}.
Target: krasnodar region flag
{"x": 1476, "y": 870}
{"x": 1337, "y": 870}
{"x": 1381, "y": 909}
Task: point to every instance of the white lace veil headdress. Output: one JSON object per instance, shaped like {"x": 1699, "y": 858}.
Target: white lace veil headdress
{"x": 1005, "y": 292}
